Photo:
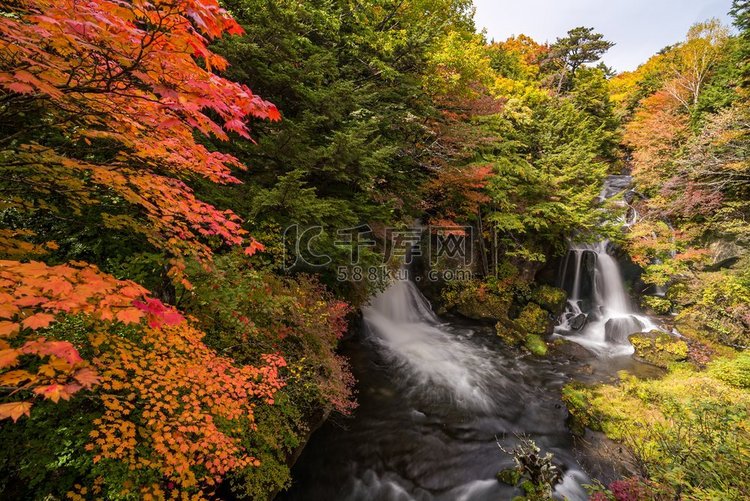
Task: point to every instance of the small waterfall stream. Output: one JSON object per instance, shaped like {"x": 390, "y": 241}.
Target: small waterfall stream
{"x": 599, "y": 314}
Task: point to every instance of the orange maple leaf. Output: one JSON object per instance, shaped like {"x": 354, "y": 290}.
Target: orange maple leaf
{"x": 7, "y": 329}
{"x": 14, "y": 410}
{"x": 130, "y": 315}
{"x": 60, "y": 349}
{"x": 8, "y": 310}
{"x": 53, "y": 392}
{"x": 14, "y": 378}
{"x": 8, "y": 357}
{"x": 254, "y": 247}
{"x": 87, "y": 377}
{"x": 38, "y": 321}
{"x": 57, "y": 286}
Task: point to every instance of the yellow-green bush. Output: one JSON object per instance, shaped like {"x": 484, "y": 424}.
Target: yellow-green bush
{"x": 732, "y": 371}
{"x": 690, "y": 430}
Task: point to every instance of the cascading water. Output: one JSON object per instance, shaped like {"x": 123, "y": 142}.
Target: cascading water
{"x": 599, "y": 314}
{"x": 433, "y": 398}
{"x": 432, "y": 360}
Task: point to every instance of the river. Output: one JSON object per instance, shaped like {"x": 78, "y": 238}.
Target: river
{"x": 437, "y": 394}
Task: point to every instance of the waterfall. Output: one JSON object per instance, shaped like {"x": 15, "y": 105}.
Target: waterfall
{"x": 432, "y": 358}
{"x": 599, "y": 314}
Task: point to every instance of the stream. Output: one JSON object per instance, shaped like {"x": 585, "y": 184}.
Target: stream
{"x": 436, "y": 394}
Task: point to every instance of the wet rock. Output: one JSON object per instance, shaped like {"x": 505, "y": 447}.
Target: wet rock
{"x": 604, "y": 458}
{"x": 569, "y": 349}
{"x": 577, "y": 322}
{"x": 659, "y": 348}
{"x": 617, "y": 330}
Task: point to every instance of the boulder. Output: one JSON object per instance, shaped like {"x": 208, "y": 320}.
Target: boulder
{"x": 489, "y": 307}
{"x": 577, "y": 322}
{"x": 551, "y": 299}
{"x": 659, "y": 348}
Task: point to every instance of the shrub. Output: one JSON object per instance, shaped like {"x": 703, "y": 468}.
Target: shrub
{"x": 689, "y": 431}
{"x": 732, "y": 371}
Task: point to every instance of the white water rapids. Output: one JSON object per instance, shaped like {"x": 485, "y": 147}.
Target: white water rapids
{"x": 431, "y": 359}
{"x": 600, "y": 315}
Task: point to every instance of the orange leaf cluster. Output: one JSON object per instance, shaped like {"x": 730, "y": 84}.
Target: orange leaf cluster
{"x": 455, "y": 193}
{"x": 173, "y": 406}
{"x": 654, "y": 135}
{"x": 63, "y": 373}
{"x": 31, "y": 294}
{"x": 137, "y": 74}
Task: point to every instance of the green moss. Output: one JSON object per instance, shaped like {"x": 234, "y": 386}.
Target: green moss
{"x": 527, "y": 330}
{"x": 509, "y": 476}
{"x": 508, "y": 333}
{"x": 536, "y": 345}
{"x": 577, "y": 399}
{"x": 533, "y": 320}
{"x": 551, "y": 299}
{"x": 659, "y": 348}
{"x": 477, "y": 300}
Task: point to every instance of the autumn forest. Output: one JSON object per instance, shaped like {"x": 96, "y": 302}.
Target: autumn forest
{"x": 205, "y": 206}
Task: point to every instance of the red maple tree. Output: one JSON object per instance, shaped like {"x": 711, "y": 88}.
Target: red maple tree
{"x": 126, "y": 85}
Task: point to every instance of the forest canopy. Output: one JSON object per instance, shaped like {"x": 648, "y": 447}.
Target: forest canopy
{"x": 156, "y": 340}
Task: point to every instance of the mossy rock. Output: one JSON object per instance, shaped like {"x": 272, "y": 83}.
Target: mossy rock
{"x": 476, "y": 300}
{"x": 487, "y": 307}
{"x": 551, "y": 299}
{"x": 508, "y": 332}
{"x": 527, "y": 330}
{"x": 533, "y": 320}
{"x": 536, "y": 345}
{"x": 659, "y": 348}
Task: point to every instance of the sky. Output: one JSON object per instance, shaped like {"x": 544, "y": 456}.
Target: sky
{"x": 640, "y": 28}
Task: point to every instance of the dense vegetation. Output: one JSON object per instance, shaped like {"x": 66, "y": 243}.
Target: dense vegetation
{"x": 156, "y": 342}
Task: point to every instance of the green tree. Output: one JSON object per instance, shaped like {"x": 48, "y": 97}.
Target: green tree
{"x": 581, "y": 46}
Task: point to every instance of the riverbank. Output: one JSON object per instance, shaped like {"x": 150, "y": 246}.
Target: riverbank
{"x": 434, "y": 392}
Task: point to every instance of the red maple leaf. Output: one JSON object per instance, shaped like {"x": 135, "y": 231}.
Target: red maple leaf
{"x": 254, "y": 247}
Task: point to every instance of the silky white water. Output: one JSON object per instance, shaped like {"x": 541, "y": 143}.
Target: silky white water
{"x": 610, "y": 317}
{"x": 433, "y": 359}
